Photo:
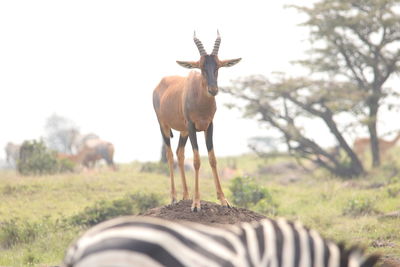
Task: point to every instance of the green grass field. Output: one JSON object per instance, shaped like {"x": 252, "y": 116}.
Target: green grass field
{"x": 40, "y": 216}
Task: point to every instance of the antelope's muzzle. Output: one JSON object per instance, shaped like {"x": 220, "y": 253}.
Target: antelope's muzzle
{"x": 213, "y": 91}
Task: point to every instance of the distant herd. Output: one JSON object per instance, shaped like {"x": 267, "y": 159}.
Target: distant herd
{"x": 89, "y": 149}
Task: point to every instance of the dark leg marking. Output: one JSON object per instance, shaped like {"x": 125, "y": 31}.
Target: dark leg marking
{"x": 192, "y": 135}
{"x": 209, "y": 137}
{"x": 182, "y": 141}
{"x": 166, "y": 139}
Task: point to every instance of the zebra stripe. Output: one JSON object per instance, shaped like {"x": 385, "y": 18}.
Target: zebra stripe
{"x": 144, "y": 241}
{"x": 303, "y": 244}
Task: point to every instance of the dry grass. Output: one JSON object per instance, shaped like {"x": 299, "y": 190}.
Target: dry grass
{"x": 342, "y": 210}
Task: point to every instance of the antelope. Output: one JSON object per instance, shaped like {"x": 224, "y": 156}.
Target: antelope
{"x": 78, "y": 141}
{"x": 92, "y": 151}
{"x": 187, "y": 104}
{"x": 361, "y": 145}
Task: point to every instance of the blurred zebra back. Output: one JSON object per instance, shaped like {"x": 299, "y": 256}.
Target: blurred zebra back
{"x": 146, "y": 241}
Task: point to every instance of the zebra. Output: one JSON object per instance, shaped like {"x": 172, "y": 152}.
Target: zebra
{"x": 148, "y": 241}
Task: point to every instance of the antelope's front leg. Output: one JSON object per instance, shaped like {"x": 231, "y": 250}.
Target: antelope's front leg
{"x": 213, "y": 164}
{"x": 196, "y": 164}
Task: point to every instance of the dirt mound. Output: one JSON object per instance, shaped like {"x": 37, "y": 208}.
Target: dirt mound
{"x": 210, "y": 213}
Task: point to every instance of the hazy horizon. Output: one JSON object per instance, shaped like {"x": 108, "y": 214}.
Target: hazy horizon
{"x": 97, "y": 63}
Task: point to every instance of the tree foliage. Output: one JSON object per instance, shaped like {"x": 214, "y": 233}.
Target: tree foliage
{"x": 358, "y": 41}
{"x": 283, "y": 104}
{"x": 354, "y": 50}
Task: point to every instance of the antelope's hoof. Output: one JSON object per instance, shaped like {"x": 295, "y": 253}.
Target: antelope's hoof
{"x": 225, "y": 203}
{"x": 173, "y": 201}
{"x": 196, "y": 206}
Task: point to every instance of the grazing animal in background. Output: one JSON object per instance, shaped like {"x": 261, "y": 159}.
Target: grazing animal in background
{"x": 79, "y": 140}
{"x": 187, "y": 104}
{"x": 91, "y": 152}
{"x": 361, "y": 145}
{"x": 147, "y": 241}
{"x": 12, "y": 153}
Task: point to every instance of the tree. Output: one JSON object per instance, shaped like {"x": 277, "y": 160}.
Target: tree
{"x": 60, "y": 133}
{"x": 357, "y": 41}
{"x": 285, "y": 103}
{"x": 355, "y": 50}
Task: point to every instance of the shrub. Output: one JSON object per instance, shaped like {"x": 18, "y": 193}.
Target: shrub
{"x": 31, "y": 259}
{"x": 143, "y": 202}
{"x": 36, "y": 159}
{"x": 12, "y": 233}
{"x": 358, "y": 207}
{"x": 12, "y": 189}
{"x": 104, "y": 210}
{"x": 101, "y": 211}
{"x": 155, "y": 167}
{"x": 246, "y": 193}
{"x": 393, "y": 191}
{"x": 65, "y": 165}
{"x": 266, "y": 206}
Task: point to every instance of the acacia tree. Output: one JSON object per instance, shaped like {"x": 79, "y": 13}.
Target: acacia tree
{"x": 357, "y": 41}
{"x": 355, "y": 50}
{"x": 284, "y": 103}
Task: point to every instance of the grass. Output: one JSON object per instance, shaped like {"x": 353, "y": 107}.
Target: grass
{"x": 41, "y": 215}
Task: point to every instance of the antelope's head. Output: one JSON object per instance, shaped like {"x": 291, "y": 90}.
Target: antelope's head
{"x": 209, "y": 64}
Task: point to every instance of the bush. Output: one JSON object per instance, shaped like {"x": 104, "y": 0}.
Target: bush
{"x": 155, "y": 167}
{"x": 104, "y": 210}
{"x": 30, "y": 259}
{"x": 37, "y": 159}
{"x": 12, "y": 233}
{"x": 143, "y": 202}
{"x": 266, "y": 206}
{"x": 101, "y": 211}
{"x": 247, "y": 194}
{"x": 358, "y": 207}
{"x": 393, "y": 190}
{"x": 65, "y": 165}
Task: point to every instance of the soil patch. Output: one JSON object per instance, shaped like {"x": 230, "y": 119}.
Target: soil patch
{"x": 390, "y": 262}
{"x": 210, "y": 213}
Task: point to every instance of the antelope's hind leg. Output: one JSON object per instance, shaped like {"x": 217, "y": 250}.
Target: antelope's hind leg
{"x": 170, "y": 157}
{"x": 180, "y": 153}
{"x": 213, "y": 163}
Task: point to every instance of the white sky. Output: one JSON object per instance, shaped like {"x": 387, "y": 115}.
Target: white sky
{"x": 97, "y": 63}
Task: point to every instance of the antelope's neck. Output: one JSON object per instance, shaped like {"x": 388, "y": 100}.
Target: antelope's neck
{"x": 200, "y": 106}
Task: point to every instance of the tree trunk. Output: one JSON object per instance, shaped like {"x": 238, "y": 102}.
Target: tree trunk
{"x": 356, "y": 165}
{"x": 373, "y": 113}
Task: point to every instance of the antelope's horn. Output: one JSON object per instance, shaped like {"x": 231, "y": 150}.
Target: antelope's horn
{"x": 216, "y": 44}
{"x": 199, "y": 45}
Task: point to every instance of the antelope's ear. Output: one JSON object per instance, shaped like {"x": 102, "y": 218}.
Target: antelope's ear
{"x": 229, "y": 62}
{"x": 189, "y": 64}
